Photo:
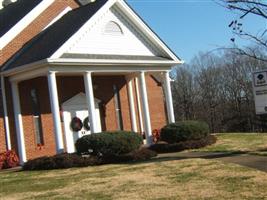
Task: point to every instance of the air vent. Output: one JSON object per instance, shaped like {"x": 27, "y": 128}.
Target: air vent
{"x": 113, "y": 28}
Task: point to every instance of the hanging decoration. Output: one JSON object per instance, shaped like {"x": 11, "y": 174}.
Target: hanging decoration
{"x": 76, "y": 124}
{"x": 86, "y": 124}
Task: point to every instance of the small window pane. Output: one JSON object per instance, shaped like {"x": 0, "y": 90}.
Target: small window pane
{"x": 36, "y": 117}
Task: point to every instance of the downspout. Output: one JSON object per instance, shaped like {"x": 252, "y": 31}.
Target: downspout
{"x": 7, "y": 130}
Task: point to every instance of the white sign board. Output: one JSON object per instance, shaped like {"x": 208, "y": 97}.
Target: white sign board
{"x": 260, "y": 91}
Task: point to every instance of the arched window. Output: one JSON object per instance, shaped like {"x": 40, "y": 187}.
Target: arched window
{"x": 113, "y": 28}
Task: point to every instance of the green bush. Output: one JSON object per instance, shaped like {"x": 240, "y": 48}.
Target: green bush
{"x": 181, "y": 146}
{"x": 61, "y": 161}
{"x": 109, "y": 143}
{"x": 184, "y": 131}
{"x": 136, "y": 155}
{"x": 66, "y": 160}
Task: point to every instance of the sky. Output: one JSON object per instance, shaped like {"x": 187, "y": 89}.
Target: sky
{"x": 191, "y": 26}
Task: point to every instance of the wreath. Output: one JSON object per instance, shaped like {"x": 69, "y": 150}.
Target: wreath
{"x": 86, "y": 124}
{"x": 76, "y": 124}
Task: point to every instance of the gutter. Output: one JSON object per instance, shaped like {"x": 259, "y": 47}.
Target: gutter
{"x": 86, "y": 62}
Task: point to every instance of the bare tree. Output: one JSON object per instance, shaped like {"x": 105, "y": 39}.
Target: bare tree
{"x": 184, "y": 93}
{"x": 245, "y": 8}
{"x": 218, "y": 90}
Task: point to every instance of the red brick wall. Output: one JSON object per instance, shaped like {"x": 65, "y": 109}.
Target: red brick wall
{"x": 156, "y": 103}
{"x": 69, "y": 87}
{"x": 2, "y": 136}
{"x": 35, "y": 27}
{"x": 29, "y": 32}
{"x": 32, "y": 150}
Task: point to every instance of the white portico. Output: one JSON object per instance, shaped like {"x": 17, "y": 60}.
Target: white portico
{"x": 110, "y": 41}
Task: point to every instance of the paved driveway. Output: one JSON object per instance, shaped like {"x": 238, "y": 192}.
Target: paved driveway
{"x": 253, "y": 161}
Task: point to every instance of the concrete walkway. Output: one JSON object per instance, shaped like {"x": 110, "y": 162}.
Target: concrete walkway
{"x": 252, "y": 161}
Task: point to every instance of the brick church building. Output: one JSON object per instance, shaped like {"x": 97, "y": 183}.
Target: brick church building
{"x": 67, "y": 62}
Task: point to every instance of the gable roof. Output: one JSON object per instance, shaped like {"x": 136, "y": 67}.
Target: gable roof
{"x": 14, "y": 12}
{"x": 48, "y": 41}
{"x": 45, "y": 44}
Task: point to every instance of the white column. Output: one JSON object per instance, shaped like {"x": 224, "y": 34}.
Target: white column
{"x": 52, "y": 85}
{"x": 139, "y": 105}
{"x": 7, "y": 130}
{"x": 145, "y": 108}
{"x": 168, "y": 97}
{"x": 132, "y": 107}
{"x": 90, "y": 100}
{"x": 18, "y": 122}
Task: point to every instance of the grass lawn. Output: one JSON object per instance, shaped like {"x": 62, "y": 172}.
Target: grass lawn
{"x": 155, "y": 179}
{"x": 252, "y": 143}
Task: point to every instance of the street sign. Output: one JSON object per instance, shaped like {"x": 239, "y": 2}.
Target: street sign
{"x": 260, "y": 91}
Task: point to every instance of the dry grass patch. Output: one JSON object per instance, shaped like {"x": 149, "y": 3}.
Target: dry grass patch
{"x": 183, "y": 179}
{"x": 254, "y": 143}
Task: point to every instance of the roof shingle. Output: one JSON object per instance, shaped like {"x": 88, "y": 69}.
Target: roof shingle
{"x": 14, "y": 12}
{"x": 47, "y": 42}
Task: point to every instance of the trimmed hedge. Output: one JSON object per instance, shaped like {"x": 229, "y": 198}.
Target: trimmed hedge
{"x": 184, "y": 131}
{"x": 180, "y": 146}
{"x": 136, "y": 155}
{"x": 60, "y": 161}
{"x": 65, "y": 160}
{"x": 109, "y": 143}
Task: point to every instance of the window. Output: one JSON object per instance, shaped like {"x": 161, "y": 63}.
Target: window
{"x": 118, "y": 107}
{"x": 37, "y": 118}
{"x": 113, "y": 28}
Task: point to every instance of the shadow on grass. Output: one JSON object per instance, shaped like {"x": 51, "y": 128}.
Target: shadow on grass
{"x": 232, "y": 156}
{"x": 192, "y": 155}
{"x": 244, "y": 158}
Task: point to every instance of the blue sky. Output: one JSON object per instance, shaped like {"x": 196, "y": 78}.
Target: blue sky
{"x": 191, "y": 26}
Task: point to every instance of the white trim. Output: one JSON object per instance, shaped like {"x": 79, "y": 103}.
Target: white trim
{"x": 88, "y": 85}
{"x": 145, "y": 29}
{"x": 53, "y": 94}
{"x": 131, "y": 105}
{"x": 67, "y": 9}
{"x": 139, "y": 105}
{"x": 145, "y": 108}
{"x": 29, "y": 74}
{"x": 168, "y": 97}
{"x": 7, "y": 130}
{"x": 93, "y": 65}
{"x": 113, "y": 61}
{"x": 34, "y": 72}
{"x": 18, "y": 123}
{"x": 83, "y": 29}
{"x": 24, "y": 22}
{"x": 127, "y": 11}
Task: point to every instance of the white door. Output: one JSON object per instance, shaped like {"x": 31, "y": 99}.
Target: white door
{"x": 76, "y": 120}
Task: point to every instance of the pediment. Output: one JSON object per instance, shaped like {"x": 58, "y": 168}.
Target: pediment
{"x": 78, "y": 100}
{"x": 115, "y": 31}
{"x": 113, "y": 35}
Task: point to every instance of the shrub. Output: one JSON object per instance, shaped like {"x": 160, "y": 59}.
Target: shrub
{"x": 180, "y": 146}
{"x": 183, "y": 131}
{"x": 65, "y": 160}
{"x": 60, "y": 161}
{"x": 136, "y": 155}
{"x": 109, "y": 143}
{"x": 8, "y": 159}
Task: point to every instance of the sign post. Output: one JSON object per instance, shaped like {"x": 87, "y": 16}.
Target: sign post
{"x": 260, "y": 91}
